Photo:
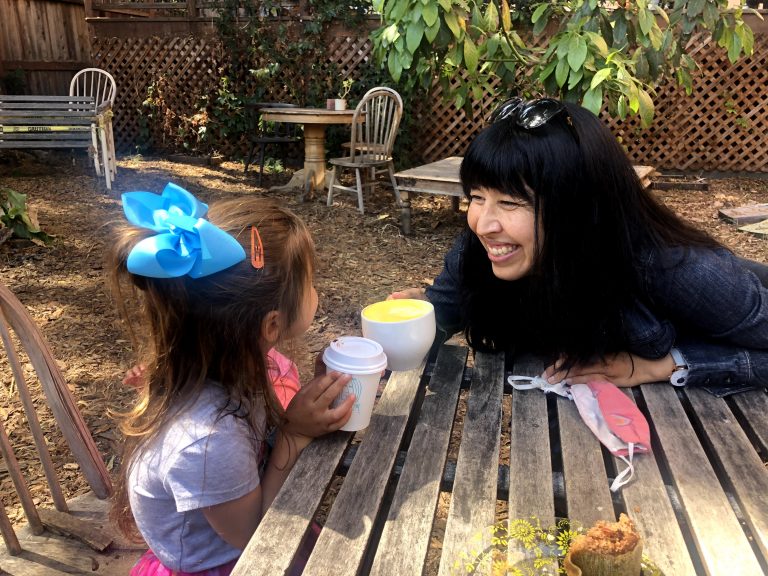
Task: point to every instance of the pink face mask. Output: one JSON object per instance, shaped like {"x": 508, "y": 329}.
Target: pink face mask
{"x": 612, "y": 417}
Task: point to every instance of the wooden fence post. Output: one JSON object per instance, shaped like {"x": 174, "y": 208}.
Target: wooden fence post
{"x": 191, "y": 10}
{"x": 88, "y": 5}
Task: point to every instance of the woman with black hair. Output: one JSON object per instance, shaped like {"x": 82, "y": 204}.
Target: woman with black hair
{"x": 568, "y": 256}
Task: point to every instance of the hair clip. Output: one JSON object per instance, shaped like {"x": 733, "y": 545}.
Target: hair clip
{"x": 257, "y": 249}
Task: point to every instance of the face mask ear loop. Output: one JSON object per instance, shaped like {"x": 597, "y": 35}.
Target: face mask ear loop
{"x": 532, "y": 382}
{"x": 628, "y": 472}
{"x": 538, "y": 382}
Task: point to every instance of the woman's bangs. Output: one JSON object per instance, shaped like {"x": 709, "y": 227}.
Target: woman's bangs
{"x": 501, "y": 175}
{"x": 499, "y": 159}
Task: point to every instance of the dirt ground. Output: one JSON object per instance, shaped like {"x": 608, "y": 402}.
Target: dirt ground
{"x": 362, "y": 258}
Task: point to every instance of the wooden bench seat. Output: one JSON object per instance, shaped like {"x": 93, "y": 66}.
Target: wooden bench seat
{"x": 36, "y": 122}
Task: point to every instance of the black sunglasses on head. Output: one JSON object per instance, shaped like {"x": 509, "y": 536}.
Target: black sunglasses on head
{"x": 529, "y": 114}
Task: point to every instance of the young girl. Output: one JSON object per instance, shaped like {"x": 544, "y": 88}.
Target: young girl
{"x": 568, "y": 256}
{"x": 216, "y": 295}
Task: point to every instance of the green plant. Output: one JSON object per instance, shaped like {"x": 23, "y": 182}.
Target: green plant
{"x": 268, "y": 53}
{"x": 732, "y": 109}
{"x": 598, "y": 52}
{"x": 273, "y": 165}
{"x": 225, "y": 114}
{"x": 346, "y": 86}
{"x": 540, "y": 549}
{"x": 16, "y": 219}
{"x": 169, "y": 128}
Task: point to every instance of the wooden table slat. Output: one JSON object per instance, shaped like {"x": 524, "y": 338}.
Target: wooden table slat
{"x": 473, "y": 503}
{"x": 740, "y": 463}
{"x": 530, "y": 459}
{"x": 278, "y": 537}
{"x": 348, "y": 528}
{"x": 586, "y": 480}
{"x": 654, "y": 517}
{"x": 754, "y": 406}
{"x": 405, "y": 539}
{"x": 530, "y": 465}
{"x": 717, "y": 534}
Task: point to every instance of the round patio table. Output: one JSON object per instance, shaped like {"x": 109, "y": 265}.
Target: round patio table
{"x": 315, "y": 121}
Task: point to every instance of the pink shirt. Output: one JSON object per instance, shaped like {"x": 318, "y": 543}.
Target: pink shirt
{"x": 284, "y": 376}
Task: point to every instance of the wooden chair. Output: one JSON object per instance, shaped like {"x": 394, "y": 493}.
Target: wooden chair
{"x": 263, "y": 134}
{"x": 374, "y": 129}
{"x": 14, "y": 318}
{"x": 100, "y": 85}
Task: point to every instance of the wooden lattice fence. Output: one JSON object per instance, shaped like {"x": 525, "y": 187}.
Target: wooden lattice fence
{"x": 189, "y": 64}
{"x": 722, "y": 126}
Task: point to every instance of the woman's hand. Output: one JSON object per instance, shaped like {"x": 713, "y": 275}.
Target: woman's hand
{"x": 622, "y": 369}
{"x": 310, "y": 414}
{"x": 414, "y": 293}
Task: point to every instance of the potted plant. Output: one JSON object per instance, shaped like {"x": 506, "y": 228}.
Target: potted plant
{"x": 340, "y": 103}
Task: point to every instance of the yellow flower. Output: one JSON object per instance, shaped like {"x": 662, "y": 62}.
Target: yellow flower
{"x": 523, "y": 531}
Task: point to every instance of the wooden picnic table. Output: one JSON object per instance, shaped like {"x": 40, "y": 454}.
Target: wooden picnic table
{"x": 700, "y": 499}
{"x": 442, "y": 177}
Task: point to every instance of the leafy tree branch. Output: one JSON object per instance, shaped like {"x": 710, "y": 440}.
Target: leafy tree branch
{"x": 597, "y": 52}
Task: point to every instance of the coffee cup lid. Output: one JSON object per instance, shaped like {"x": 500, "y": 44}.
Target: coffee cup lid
{"x": 353, "y": 354}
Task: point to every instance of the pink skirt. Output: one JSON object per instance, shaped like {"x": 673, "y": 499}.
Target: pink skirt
{"x": 150, "y": 565}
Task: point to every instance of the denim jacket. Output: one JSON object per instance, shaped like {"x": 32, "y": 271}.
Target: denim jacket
{"x": 709, "y": 304}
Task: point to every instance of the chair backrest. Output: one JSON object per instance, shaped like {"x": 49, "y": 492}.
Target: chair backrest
{"x": 375, "y": 124}
{"x": 14, "y": 318}
{"x": 94, "y": 82}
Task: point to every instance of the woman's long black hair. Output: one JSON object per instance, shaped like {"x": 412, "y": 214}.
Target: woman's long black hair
{"x": 593, "y": 221}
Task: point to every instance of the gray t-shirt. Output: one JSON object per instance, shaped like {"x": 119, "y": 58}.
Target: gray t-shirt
{"x": 200, "y": 459}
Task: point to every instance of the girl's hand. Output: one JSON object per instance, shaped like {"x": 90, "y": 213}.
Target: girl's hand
{"x": 134, "y": 377}
{"x": 415, "y": 293}
{"x": 622, "y": 369}
{"x": 310, "y": 414}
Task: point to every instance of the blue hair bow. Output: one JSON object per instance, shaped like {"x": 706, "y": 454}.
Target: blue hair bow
{"x": 186, "y": 243}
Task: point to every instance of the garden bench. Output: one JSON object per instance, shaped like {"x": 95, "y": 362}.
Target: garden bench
{"x": 53, "y": 122}
{"x": 698, "y": 499}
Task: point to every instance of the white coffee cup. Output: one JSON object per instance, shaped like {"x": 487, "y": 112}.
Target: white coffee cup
{"x": 405, "y": 329}
{"x": 364, "y": 360}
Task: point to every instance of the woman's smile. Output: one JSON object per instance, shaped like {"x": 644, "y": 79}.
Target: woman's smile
{"x": 500, "y": 252}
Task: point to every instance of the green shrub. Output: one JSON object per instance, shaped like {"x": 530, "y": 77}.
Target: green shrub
{"x": 16, "y": 219}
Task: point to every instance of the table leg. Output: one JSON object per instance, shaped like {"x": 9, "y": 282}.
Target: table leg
{"x": 405, "y": 212}
{"x": 314, "y": 157}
